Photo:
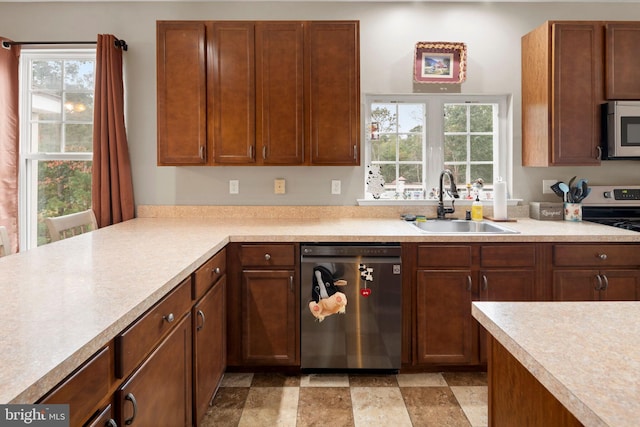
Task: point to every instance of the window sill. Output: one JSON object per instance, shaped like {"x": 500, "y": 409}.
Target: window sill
{"x": 427, "y": 202}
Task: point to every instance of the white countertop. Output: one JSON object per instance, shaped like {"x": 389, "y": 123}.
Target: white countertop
{"x": 61, "y": 302}
{"x": 587, "y": 354}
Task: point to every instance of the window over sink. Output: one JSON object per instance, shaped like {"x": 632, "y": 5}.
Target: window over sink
{"x": 410, "y": 139}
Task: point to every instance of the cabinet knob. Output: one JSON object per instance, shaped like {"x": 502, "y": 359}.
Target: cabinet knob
{"x": 267, "y": 257}
{"x": 169, "y": 318}
{"x": 216, "y": 270}
{"x": 602, "y": 256}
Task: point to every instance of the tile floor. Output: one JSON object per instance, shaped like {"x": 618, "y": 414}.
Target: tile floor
{"x": 424, "y": 399}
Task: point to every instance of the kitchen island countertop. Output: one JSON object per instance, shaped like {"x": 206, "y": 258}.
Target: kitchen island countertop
{"x": 63, "y": 301}
{"x": 587, "y": 354}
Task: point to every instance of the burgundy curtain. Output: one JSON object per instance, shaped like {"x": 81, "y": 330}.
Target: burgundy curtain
{"x": 112, "y": 187}
{"x": 9, "y": 132}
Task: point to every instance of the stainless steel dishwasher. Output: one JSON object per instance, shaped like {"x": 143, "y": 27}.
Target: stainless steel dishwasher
{"x": 351, "y": 302}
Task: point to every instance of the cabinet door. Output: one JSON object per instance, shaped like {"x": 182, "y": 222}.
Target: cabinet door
{"x": 280, "y": 93}
{"x": 445, "y": 330}
{"x": 577, "y": 93}
{"x": 270, "y": 317}
{"x": 622, "y": 60}
{"x": 209, "y": 346}
{"x": 620, "y": 285}
{"x": 231, "y": 88}
{"x": 576, "y": 285}
{"x": 182, "y": 117}
{"x": 562, "y": 89}
{"x": 333, "y": 57}
{"x": 158, "y": 393}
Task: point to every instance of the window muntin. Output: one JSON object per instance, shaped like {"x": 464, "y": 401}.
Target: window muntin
{"x": 57, "y": 93}
{"x": 464, "y": 133}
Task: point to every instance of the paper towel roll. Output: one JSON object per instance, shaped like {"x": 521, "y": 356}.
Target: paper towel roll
{"x": 500, "y": 200}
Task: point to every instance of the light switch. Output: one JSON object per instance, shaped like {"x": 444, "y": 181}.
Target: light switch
{"x": 279, "y": 186}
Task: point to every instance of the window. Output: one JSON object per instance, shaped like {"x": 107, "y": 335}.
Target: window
{"x": 412, "y": 138}
{"x": 56, "y": 104}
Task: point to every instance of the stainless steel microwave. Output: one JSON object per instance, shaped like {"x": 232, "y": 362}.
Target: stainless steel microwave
{"x": 622, "y": 130}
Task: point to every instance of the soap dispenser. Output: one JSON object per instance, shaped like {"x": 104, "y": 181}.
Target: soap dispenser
{"x": 476, "y": 210}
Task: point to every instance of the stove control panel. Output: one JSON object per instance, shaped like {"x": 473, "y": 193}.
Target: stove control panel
{"x": 623, "y": 194}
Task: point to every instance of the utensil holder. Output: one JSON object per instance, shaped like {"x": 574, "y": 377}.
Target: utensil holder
{"x": 573, "y": 212}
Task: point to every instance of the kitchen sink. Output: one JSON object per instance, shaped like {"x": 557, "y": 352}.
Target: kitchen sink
{"x": 457, "y": 226}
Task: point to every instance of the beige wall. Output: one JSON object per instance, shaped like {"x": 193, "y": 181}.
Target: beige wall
{"x": 388, "y": 33}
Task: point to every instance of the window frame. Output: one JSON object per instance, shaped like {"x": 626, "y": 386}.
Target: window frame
{"x": 28, "y": 170}
{"x": 434, "y": 134}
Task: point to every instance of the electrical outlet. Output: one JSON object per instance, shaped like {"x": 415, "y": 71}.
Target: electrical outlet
{"x": 234, "y": 186}
{"x": 546, "y": 185}
{"x": 279, "y": 186}
{"x": 335, "y": 186}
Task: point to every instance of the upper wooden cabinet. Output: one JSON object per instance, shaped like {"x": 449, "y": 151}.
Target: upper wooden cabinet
{"x": 562, "y": 89}
{"x": 622, "y": 60}
{"x": 569, "y": 69}
{"x": 182, "y": 97}
{"x": 271, "y": 92}
{"x": 334, "y": 92}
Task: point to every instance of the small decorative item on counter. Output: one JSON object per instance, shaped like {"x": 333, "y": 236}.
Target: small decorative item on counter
{"x": 545, "y": 211}
{"x": 573, "y": 212}
{"x": 375, "y": 181}
{"x": 476, "y": 210}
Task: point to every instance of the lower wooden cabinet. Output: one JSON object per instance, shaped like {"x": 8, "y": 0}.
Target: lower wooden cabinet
{"x": 448, "y": 278}
{"x": 85, "y": 389}
{"x": 263, "y": 308}
{"x": 209, "y": 346}
{"x": 158, "y": 393}
{"x": 588, "y": 272}
{"x": 445, "y": 331}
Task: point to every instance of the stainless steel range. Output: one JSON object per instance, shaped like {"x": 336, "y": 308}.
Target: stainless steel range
{"x": 618, "y": 206}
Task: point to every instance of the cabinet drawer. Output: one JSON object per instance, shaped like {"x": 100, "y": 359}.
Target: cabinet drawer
{"x": 209, "y": 273}
{"x": 85, "y": 388}
{"x": 267, "y": 255}
{"x": 444, "y": 256}
{"x": 138, "y": 340}
{"x": 596, "y": 256}
{"x": 508, "y": 256}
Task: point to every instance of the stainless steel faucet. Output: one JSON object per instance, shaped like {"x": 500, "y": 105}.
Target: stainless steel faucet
{"x": 442, "y": 211}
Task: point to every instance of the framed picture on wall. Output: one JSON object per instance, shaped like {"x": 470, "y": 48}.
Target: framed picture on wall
{"x": 440, "y": 62}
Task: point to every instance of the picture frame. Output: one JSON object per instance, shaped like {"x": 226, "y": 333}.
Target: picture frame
{"x": 440, "y": 62}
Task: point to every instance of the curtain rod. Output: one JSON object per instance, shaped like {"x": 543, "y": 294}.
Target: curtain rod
{"x": 117, "y": 43}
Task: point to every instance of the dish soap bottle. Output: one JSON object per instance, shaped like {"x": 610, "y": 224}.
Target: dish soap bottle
{"x": 476, "y": 210}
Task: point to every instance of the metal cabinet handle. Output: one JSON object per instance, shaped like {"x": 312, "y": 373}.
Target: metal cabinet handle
{"x": 251, "y": 151}
{"x": 200, "y": 313}
{"x": 469, "y": 283}
{"x": 215, "y": 270}
{"x": 291, "y": 283}
{"x": 130, "y": 397}
{"x": 267, "y": 257}
{"x": 602, "y": 256}
{"x": 355, "y": 153}
{"x": 264, "y": 151}
{"x": 169, "y": 318}
{"x": 201, "y": 153}
{"x": 111, "y": 423}
{"x": 605, "y": 280}
{"x": 485, "y": 283}
{"x": 599, "y": 284}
